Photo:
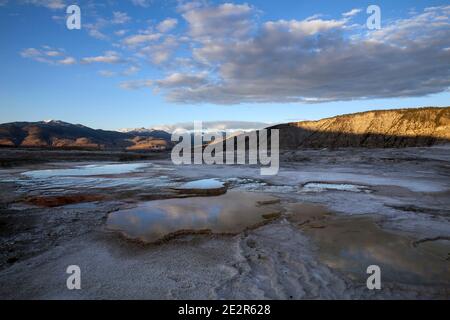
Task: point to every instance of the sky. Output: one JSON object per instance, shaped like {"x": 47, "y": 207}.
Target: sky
{"x": 156, "y": 63}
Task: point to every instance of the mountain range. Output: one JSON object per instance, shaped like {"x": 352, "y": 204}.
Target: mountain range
{"x": 63, "y": 135}
{"x": 379, "y": 128}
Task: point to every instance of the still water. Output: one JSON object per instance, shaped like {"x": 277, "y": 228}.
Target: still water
{"x": 87, "y": 170}
{"x": 232, "y": 212}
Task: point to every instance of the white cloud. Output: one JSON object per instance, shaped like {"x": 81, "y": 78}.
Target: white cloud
{"x": 51, "y": 4}
{"x": 121, "y": 32}
{"x": 95, "y": 29}
{"x": 141, "y": 38}
{"x": 108, "y": 57}
{"x": 67, "y": 61}
{"x": 160, "y": 52}
{"x": 95, "y": 33}
{"x": 177, "y": 80}
{"x": 131, "y": 70}
{"x": 142, "y": 3}
{"x": 48, "y": 55}
{"x": 53, "y": 53}
{"x": 136, "y": 84}
{"x": 225, "y": 20}
{"x": 352, "y": 12}
{"x": 287, "y": 61}
{"x": 120, "y": 17}
{"x": 106, "y": 73}
{"x": 167, "y": 25}
{"x": 30, "y": 53}
{"x": 230, "y": 57}
{"x": 305, "y": 27}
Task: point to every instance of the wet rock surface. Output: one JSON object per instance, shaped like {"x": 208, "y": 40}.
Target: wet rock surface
{"x": 316, "y": 246}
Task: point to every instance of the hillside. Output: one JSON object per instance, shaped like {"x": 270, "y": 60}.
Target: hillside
{"x": 381, "y": 128}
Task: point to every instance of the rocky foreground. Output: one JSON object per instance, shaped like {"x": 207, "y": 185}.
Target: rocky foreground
{"x": 334, "y": 214}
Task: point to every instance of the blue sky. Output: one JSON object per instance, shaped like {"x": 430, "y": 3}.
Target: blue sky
{"x": 138, "y": 63}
